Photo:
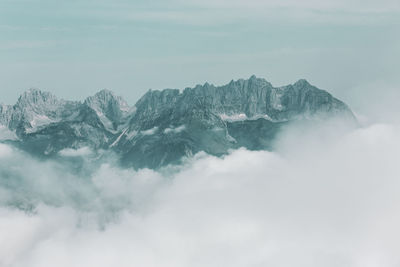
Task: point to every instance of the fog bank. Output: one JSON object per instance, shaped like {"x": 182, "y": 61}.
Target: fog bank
{"x": 328, "y": 196}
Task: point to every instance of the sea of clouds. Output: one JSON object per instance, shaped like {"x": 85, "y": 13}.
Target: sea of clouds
{"x": 328, "y": 196}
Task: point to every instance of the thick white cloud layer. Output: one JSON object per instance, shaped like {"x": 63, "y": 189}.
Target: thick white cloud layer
{"x": 327, "y": 197}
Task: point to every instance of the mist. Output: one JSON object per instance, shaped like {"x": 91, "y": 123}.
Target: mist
{"x": 327, "y": 196}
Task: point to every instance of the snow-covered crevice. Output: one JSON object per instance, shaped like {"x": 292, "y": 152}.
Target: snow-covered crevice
{"x": 243, "y": 117}
{"x": 234, "y": 117}
{"x": 174, "y": 129}
{"x": 149, "y": 131}
{"x": 118, "y": 138}
{"x": 70, "y": 152}
{"x": 39, "y": 120}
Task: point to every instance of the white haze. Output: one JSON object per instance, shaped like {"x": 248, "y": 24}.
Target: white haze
{"x": 329, "y": 196}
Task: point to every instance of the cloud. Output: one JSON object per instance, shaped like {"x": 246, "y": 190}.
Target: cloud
{"x": 5, "y": 150}
{"x": 325, "y": 198}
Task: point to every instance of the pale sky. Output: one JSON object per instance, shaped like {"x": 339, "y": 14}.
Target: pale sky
{"x": 75, "y": 48}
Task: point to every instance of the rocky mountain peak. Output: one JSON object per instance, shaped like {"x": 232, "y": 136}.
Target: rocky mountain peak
{"x": 166, "y": 125}
{"x": 302, "y": 82}
{"x": 112, "y": 110}
{"x": 35, "y": 97}
{"x": 106, "y": 99}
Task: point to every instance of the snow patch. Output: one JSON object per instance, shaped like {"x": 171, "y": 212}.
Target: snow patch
{"x": 233, "y": 117}
{"x": 243, "y": 117}
{"x": 175, "y": 130}
{"x": 118, "y": 138}
{"x": 149, "y": 131}
{"x": 104, "y": 120}
{"x": 70, "y": 152}
{"x": 37, "y": 121}
{"x": 265, "y": 117}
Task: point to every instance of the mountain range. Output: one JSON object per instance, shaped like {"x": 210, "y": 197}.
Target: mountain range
{"x": 165, "y": 126}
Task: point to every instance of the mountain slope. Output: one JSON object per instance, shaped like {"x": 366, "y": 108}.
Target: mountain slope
{"x": 164, "y": 126}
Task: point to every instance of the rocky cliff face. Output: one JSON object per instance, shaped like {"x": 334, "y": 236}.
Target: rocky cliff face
{"x": 5, "y": 114}
{"x": 165, "y": 126}
{"x": 112, "y": 110}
